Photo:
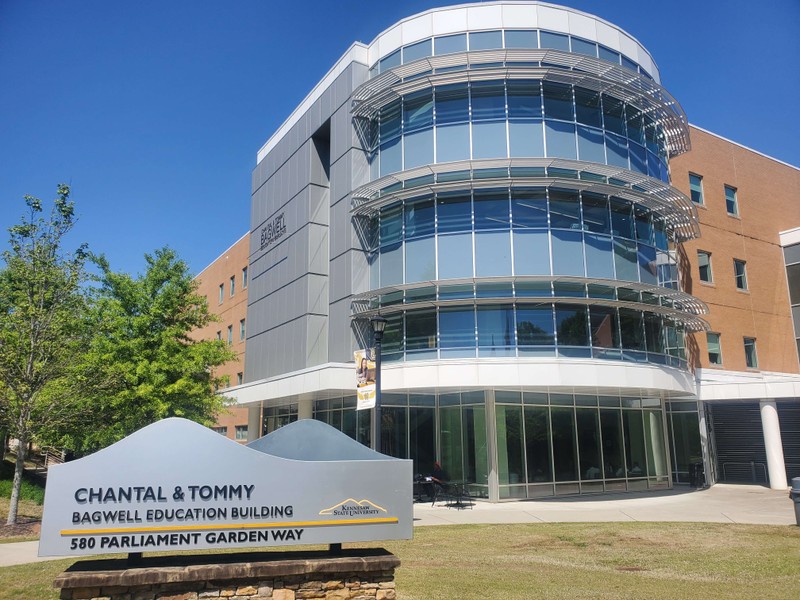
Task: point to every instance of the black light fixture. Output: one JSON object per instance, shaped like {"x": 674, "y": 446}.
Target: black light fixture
{"x": 378, "y": 324}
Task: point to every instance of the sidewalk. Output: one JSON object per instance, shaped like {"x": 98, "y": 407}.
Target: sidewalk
{"x": 719, "y": 504}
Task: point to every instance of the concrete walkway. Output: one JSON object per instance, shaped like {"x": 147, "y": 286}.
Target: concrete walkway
{"x": 720, "y": 504}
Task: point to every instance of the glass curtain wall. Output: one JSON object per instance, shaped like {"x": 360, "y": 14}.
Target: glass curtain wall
{"x": 554, "y": 444}
{"x": 516, "y": 118}
{"x": 684, "y": 432}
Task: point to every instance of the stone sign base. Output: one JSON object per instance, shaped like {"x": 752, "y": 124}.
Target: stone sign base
{"x": 352, "y": 575}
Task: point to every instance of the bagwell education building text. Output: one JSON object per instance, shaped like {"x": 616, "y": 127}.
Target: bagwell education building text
{"x": 576, "y": 303}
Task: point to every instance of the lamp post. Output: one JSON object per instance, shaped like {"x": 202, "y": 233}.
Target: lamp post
{"x": 378, "y": 326}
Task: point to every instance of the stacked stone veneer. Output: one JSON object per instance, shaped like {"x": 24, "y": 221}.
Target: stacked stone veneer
{"x": 348, "y": 577}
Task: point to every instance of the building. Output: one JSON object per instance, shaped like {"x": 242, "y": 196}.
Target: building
{"x": 224, "y": 284}
{"x": 746, "y": 365}
{"x": 494, "y": 179}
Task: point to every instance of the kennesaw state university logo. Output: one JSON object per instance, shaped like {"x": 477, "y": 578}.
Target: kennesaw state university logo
{"x": 353, "y": 508}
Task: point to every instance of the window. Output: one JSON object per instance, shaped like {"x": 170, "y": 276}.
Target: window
{"x": 241, "y": 432}
{"x": 230, "y": 334}
{"x": 233, "y": 284}
{"x": 714, "y": 350}
{"x": 241, "y": 330}
{"x": 704, "y": 264}
{"x": 221, "y": 430}
{"x": 696, "y": 188}
{"x": 750, "y": 357}
{"x": 731, "y": 204}
{"x": 221, "y": 292}
{"x": 244, "y": 278}
{"x": 239, "y": 378}
{"x": 740, "y": 273}
{"x": 219, "y": 335}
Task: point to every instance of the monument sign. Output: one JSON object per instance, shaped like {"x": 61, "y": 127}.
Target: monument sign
{"x": 176, "y": 485}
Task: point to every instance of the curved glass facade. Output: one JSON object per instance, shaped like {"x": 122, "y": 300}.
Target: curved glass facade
{"x": 515, "y": 118}
{"x": 495, "y": 39}
{"x": 520, "y": 232}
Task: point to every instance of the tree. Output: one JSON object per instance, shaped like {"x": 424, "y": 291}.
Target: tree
{"x": 142, "y": 363}
{"x": 41, "y": 327}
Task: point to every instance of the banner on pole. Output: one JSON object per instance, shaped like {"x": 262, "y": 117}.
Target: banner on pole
{"x": 365, "y": 379}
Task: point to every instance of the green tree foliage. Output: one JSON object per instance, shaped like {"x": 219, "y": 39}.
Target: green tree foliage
{"x": 142, "y": 362}
{"x": 41, "y": 328}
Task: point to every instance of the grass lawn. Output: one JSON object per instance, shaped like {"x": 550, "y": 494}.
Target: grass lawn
{"x": 576, "y": 561}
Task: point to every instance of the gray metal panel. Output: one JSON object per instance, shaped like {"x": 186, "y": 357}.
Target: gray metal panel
{"x": 316, "y": 346}
{"x": 341, "y": 340}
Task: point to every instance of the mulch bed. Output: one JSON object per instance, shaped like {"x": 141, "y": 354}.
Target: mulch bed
{"x": 27, "y": 529}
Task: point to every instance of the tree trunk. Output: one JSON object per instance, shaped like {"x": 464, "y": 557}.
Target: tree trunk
{"x": 17, "y": 485}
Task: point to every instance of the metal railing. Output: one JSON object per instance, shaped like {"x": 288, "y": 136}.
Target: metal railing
{"x": 744, "y": 471}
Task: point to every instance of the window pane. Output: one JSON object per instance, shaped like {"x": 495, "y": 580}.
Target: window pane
{"x": 491, "y": 210}
{"x": 696, "y": 188}
{"x": 454, "y": 213}
{"x": 526, "y": 138}
{"x": 613, "y": 115}
{"x": 495, "y": 326}
{"x": 730, "y": 201}
{"x": 452, "y": 143}
{"x": 793, "y": 276}
{"x": 418, "y": 110}
{"x": 571, "y": 324}
{"x": 492, "y": 253}
{"x": 589, "y": 444}
{"x": 750, "y": 353}
{"x": 531, "y": 252}
{"x": 535, "y": 325}
{"x": 567, "y": 253}
{"x": 488, "y": 101}
{"x": 599, "y": 256}
{"x": 485, "y": 40}
{"x": 580, "y": 46}
{"x": 560, "y": 139}
{"x": 590, "y": 145}
{"x": 391, "y": 230}
{"x": 422, "y": 438}
{"x": 604, "y": 327}
{"x": 455, "y": 256}
{"x": 631, "y": 326}
{"x": 564, "y": 447}
{"x": 714, "y": 350}
{"x": 554, "y": 40}
{"x": 391, "y": 265}
{"x": 521, "y": 39}
{"x": 452, "y": 104}
{"x": 654, "y": 332}
{"x": 634, "y": 442}
{"x": 740, "y": 273}
{"x": 635, "y": 122}
{"x": 608, "y": 54}
{"x": 457, "y": 327}
{"x": 557, "y": 101}
{"x": 595, "y": 213}
{"x": 393, "y": 335}
{"x": 529, "y": 208}
{"x": 537, "y": 444}
{"x": 648, "y": 269}
{"x": 417, "y": 51}
{"x": 418, "y": 149}
{"x": 524, "y": 99}
{"x": 617, "y": 151}
{"x": 420, "y": 260}
{"x": 625, "y": 260}
{"x": 390, "y": 61}
{"x": 565, "y": 210}
{"x": 611, "y": 428}
{"x": 704, "y": 263}
{"x": 391, "y": 158}
{"x": 621, "y": 219}
{"x": 450, "y": 43}
{"x": 489, "y": 140}
{"x": 420, "y": 329}
{"x": 420, "y": 218}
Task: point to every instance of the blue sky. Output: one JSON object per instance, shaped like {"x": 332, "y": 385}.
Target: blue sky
{"x": 154, "y": 110}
